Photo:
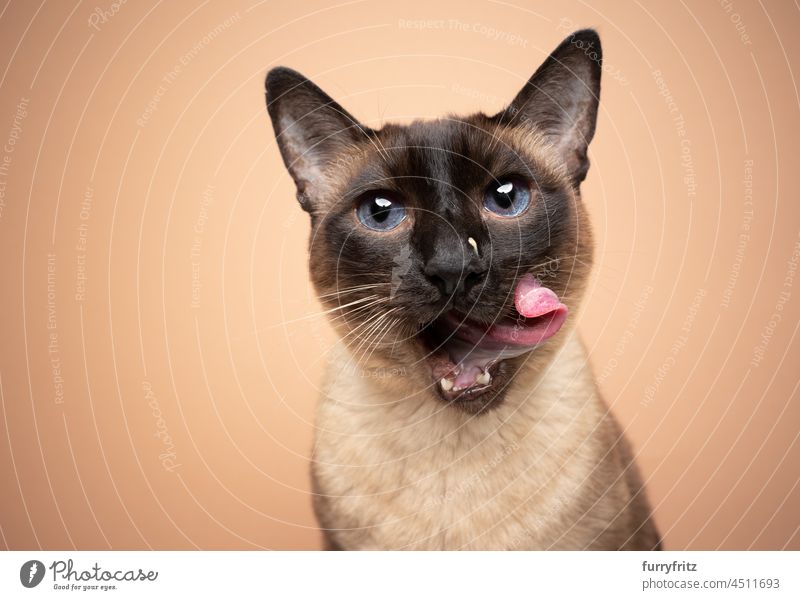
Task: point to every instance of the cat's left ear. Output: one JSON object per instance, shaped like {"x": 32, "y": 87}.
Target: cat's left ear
{"x": 561, "y": 98}
{"x": 313, "y": 132}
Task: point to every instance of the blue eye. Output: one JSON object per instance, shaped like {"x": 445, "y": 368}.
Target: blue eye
{"x": 379, "y": 212}
{"x": 507, "y": 197}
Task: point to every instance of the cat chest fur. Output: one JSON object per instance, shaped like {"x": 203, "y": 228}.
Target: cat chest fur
{"x": 394, "y": 476}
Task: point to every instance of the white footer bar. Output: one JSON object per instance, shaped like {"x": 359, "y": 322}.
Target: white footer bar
{"x": 402, "y": 575}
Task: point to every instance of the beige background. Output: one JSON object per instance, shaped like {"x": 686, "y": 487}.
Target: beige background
{"x": 170, "y": 405}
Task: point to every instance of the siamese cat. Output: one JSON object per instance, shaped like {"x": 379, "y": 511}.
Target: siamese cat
{"x": 459, "y": 410}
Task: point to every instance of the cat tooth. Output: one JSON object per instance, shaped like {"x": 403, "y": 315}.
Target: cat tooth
{"x": 446, "y": 384}
{"x": 484, "y": 378}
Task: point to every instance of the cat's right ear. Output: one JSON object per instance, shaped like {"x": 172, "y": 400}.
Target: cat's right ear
{"x": 311, "y": 130}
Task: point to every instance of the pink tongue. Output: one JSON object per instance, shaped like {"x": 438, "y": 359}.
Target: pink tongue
{"x": 532, "y": 299}
{"x": 477, "y": 349}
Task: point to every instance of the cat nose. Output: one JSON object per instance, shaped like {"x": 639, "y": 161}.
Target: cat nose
{"x": 451, "y": 276}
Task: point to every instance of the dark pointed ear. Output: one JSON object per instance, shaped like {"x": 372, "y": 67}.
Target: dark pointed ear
{"x": 561, "y": 99}
{"x": 311, "y": 130}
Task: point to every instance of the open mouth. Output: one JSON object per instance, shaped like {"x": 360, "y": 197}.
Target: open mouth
{"x": 465, "y": 354}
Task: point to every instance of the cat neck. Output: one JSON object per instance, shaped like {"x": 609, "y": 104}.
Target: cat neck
{"x": 401, "y": 406}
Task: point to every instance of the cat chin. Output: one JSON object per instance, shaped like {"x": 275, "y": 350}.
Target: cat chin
{"x": 475, "y": 400}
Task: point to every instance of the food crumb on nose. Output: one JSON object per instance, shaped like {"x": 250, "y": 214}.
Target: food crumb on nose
{"x": 474, "y": 244}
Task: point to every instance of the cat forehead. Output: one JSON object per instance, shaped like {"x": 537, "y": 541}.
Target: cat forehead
{"x": 452, "y": 152}
{"x": 448, "y": 138}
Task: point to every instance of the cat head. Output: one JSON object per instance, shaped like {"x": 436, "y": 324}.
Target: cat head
{"x": 450, "y": 250}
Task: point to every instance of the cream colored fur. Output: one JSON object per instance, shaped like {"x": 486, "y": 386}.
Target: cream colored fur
{"x": 396, "y": 468}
